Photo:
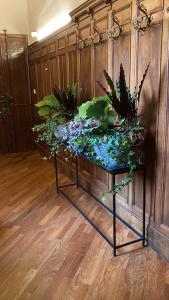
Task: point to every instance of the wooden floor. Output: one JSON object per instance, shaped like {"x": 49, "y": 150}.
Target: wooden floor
{"x": 48, "y": 251}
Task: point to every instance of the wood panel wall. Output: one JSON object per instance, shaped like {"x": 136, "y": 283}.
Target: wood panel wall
{"x": 57, "y": 61}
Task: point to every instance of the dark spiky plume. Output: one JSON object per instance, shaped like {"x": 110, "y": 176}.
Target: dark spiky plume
{"x": 112, "y": 96}
{"x": 109, "y": 80}
{"x": 123, "y": 101}
{"x": 124, "y": 98}
{"x": 141, "y": 84}
{"x": 67, "y": 99}
{"x": 58, "y": 95}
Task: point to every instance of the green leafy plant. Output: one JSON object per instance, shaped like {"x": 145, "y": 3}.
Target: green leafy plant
{"x": 45, "y": 134}
{"x": 99, "y": 108}
{"x": 123, "y": 141}
{"x": 48, "y": 106}
{"x": 54, "y": 110}
{"x": 94, "y": 108}
{"x": 121, "y": 145}
{"x": 110, "y": 121}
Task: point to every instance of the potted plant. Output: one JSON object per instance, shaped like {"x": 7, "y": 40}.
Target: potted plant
{"x": 93, "y": 117}
{"x": 55, "y": 111}
{"x": 116, "y": 140}
{"x": 128, "y": 135}
{"x": 68, "y": 100}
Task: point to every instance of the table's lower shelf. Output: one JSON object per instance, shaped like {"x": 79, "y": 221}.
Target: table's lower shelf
{"x": 115, "y": 216}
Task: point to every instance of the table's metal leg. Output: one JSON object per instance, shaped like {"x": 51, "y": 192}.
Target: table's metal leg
{"x": 114, "y": 217}
{"x": 56, "y": 173}
{"x": 77, "y": 174}
{"x": 144, "y": 207}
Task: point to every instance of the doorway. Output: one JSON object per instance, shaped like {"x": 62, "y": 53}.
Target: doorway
{"x": 15, "y": 104}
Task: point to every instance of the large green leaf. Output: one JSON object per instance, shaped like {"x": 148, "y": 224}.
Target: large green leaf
{"x": 44, "y": 111}
{"x": 96, "y": 109}
{"x": 83, "y": 109}
{"x": 50, "y": 101}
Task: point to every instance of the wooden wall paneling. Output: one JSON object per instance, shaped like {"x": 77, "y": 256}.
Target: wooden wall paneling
{"x": 86, "y": 84}
{"x": 62, "y": 71}
{"x": 72, "y": 56}
{"x": 3, "y": 67}
{"x": 53, "y": 65}
{"x": 45, "y": 70}
{"x": 100, "y": 63}
{"x": 46, "y": 77}
{"x": 7, "y": 145}
{"x": 159, "y": 229}
{"x": 85, "y": 62}
{"x": 161, "y": 212}
{"x": 72, "y": 65}
{"x": 149, "y": 103}
{"x": 153, "y": 6}
{"x": 54, "y": 69}
{"x": 165, "y": 207}
{"x": 35, "y": 59}
{"x": 100, "y": 53}
{"x": 39, "y": 79}
{"x": 33, "y": 87}
{"x": 85, "y": 73}
{"x": 122, "y": 54}
{"x": 62, "y": 61}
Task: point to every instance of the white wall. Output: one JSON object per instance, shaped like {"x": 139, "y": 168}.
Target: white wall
{"x": 26, "y": 16}
{"x": 13, "y": 16}
{"x": 40, "y": 12}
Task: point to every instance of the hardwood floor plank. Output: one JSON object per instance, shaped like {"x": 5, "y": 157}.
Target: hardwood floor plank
{"x": 48, "y": 251}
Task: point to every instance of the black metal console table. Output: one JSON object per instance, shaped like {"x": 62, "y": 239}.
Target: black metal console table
{"x": 114, "y": 172}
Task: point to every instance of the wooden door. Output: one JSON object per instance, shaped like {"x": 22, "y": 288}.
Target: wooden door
{"x": 7, "y": 134}
{"x": 15, "y": 108}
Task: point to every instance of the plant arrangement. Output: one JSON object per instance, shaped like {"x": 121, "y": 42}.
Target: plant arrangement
{"x": 116, "y": 140}
{"x": 125, "y": 102}
{"x": 55, "y": 111}
{"x": 105, "y": 129}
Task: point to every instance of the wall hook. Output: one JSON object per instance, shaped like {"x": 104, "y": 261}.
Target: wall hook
{"x": 97, "y": 36}
{"x": 116, "y": 31}
{"x": 142, "y": 22}
{"x": 108, "y": 2}
{"x": 96, "y": 30}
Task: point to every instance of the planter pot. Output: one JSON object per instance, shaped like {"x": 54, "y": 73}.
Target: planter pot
{"x": 102, "y": 152}
{"x": 61, "y": 132}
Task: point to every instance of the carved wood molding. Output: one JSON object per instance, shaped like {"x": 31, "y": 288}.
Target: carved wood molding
{"x": 87, "y": 9}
